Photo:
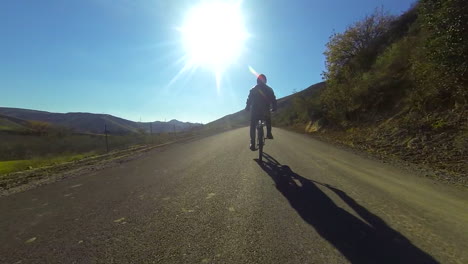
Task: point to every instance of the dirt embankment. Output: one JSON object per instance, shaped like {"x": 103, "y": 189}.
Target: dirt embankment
{"x": 435, "y": 145}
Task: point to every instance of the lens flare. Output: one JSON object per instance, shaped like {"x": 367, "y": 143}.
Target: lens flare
{"x": 253, "y": 71}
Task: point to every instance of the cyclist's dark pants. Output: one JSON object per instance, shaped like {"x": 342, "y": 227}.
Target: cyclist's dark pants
{"x": 253, "y": 124}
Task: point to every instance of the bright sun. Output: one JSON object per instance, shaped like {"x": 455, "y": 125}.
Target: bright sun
{"x": 214, "y": 34}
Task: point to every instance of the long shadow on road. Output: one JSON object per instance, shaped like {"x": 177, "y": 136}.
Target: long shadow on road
{"x": 358, "y": 241}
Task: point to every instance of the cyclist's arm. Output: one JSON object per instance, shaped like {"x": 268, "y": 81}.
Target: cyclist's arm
{"x": 249, "y": 101}
{"x": 273, "y": 99}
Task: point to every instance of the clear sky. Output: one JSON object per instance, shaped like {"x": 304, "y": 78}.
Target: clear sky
{"x": 121, "y": 57}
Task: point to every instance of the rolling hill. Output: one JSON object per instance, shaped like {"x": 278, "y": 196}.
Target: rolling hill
{"x": 17, "y": 119}
{"x": 8, "y": 123}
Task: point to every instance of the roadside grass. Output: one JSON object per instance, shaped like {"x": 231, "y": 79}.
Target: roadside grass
{"x": 23, "y": 152}
{"x": 15, "y": 146}
{"x": 21, "y": 165}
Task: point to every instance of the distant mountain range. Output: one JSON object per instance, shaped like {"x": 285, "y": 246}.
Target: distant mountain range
{"x": 17, "y": 119}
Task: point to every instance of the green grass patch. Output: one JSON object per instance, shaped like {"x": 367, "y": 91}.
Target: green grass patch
{"x": 20, "y": 165}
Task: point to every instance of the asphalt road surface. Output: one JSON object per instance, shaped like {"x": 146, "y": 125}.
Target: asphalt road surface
{"x": 209, "y": 201}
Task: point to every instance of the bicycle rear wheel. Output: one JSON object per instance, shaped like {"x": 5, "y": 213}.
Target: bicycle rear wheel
{"x": 261, "y": 142}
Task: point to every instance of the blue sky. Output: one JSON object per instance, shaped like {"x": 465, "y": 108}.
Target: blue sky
{"x": 119, "y": 56}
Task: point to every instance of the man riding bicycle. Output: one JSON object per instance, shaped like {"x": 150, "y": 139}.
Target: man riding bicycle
{"x": 261, "y": 98}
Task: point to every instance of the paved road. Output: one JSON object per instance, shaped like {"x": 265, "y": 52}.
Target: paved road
{"x": 209, "y": 201}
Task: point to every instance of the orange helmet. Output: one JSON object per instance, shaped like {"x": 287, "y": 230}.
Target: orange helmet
{"x": 261, "y": 79}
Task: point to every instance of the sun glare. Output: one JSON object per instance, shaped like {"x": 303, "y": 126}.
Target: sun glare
{"x": 214, "y": 34}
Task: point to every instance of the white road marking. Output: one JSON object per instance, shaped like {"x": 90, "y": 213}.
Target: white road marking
{"x": 119, "y": 220}
{"x": 31, "y": 240}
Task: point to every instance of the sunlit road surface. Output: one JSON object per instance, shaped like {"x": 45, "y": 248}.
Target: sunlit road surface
{"x": 209, "y": 201}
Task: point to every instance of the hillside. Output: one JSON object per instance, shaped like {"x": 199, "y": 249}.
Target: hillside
{"x": 87, "y": 122}
{"x": 397, "y": 89}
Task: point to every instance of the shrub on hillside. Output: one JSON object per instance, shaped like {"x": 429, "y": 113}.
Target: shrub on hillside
{"x": 417, "y": 62}
{"x": 349, "y": 56}
{"x": 441, "y": 63}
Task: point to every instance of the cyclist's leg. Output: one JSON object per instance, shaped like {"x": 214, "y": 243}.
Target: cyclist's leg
{"x": 268, "y": 125}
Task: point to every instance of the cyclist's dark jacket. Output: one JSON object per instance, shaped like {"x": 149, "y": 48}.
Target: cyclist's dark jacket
{"x": 261, "y": 97}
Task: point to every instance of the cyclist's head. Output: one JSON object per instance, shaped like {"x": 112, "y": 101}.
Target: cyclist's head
{"x": 261, "y": 79}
